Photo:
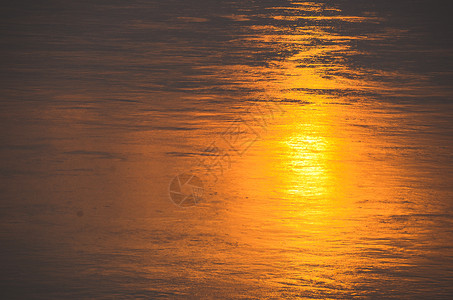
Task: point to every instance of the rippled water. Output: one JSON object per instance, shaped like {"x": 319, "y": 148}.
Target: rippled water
{"x": 343, "y": 192}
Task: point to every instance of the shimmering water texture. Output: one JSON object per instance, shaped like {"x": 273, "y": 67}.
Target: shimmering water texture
{"x": 141, "y": 159}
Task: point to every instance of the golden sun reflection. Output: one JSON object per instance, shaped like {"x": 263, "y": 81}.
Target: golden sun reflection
{"x": 318, "y": 189}
{"x": 307, "y": 161}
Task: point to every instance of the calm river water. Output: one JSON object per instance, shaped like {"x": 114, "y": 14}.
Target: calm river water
{"x": 341, "y": 189}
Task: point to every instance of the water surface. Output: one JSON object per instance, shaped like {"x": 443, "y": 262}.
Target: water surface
{"x": 344, "y": 193}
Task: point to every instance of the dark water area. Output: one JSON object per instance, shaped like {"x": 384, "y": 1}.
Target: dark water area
{"x": 347, "y": 193}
